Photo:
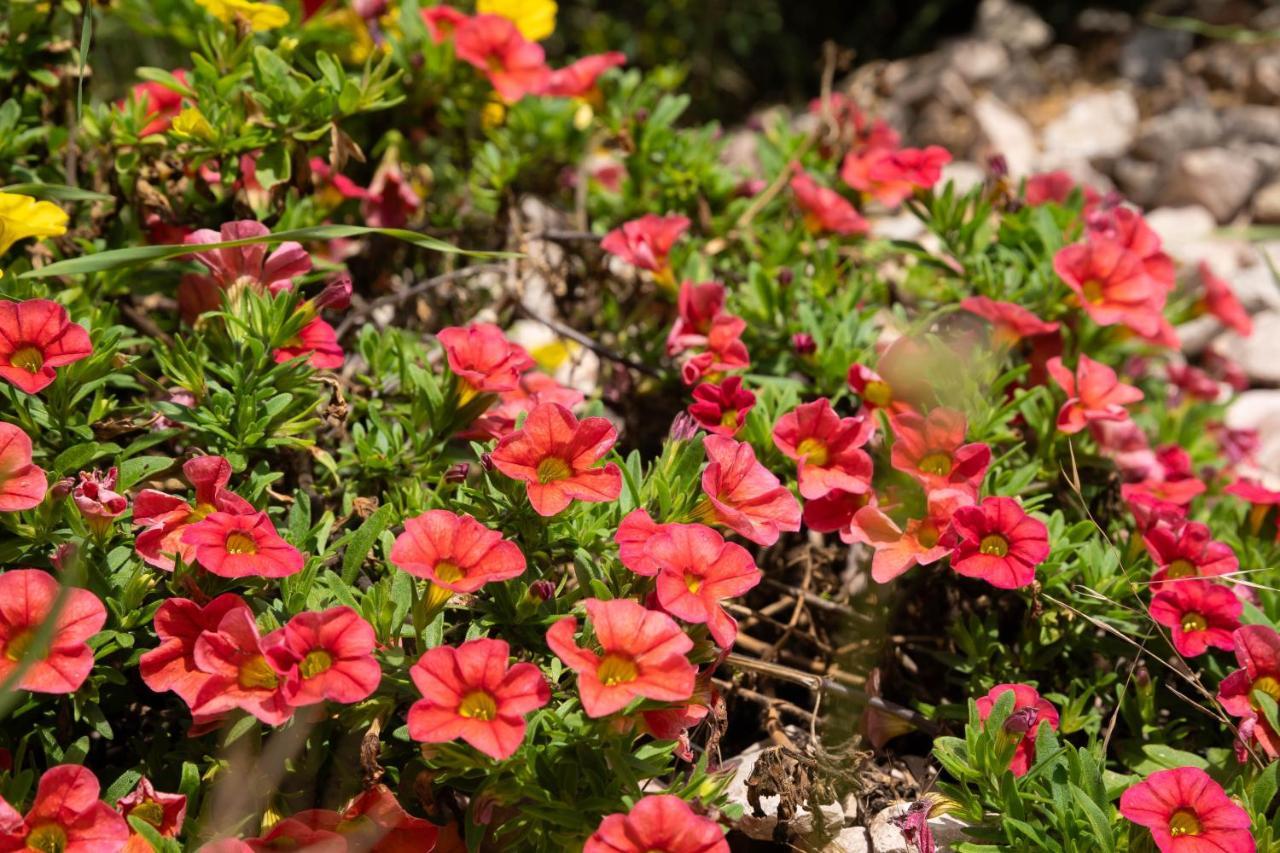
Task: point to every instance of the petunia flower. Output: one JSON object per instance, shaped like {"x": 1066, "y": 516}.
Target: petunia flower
{"x": 36, "y": 336}
{"x": 1111, "y": 284}
{"x": 699, "y": 306}
{"x": 455, "y": 552}
{"x": 932, "y": 450}
{"x": 1220, "y": 301}
{"x": 246, "y": 670}
{"x": 1257, "y": 650}
{"x": 1030, "y": 712}
{"x": 334, "y": 650}
{"x": 242, "y": 545}
{"x": 22, "y": 484}
{"x": 515, "y": 66}
{"x": 824, "y": 209}
{"x": 835, "y": 513}
{"x": 1009, "y": 321}
{"x": 578, "y": 79}
{"x": 646, "y": 242}
{"x": 65, "y": 817}
{"x": 166, "y": 517}
{"x": 724, "y": 352}
{"x": 642, "y": 654}
{"x": 920, "y": 543}
{"x": 1188, "y": 812}
{"x": 722, "y": 409}
{"x": 318, "y": 341}
{"x": 163, "y": 812}
{"x": 696, "y": 570}
{"x": 443, "y": 22}
{"x": 554, "y": 455}
{"x": 892, "y": 176}
{"x": 471, "y": 692}
{"x": 874, "y": 391}
{"x": 743, "y": 495}
{"x": 657, "y": 822}
{"x": 536, "y": 19}
{"x": 238, "y": 269}
{"x": 22, "y": 217}
{"x": 827, "y": 448}
{"x": 632, "y": 538}
{"x": 1126, "y": 227}
{"x": 997, "y": 542}
{"x": 179, "y": 623}
{"x": 1186, "y": 549}
{"x": 1199, "y": 614}
{"x": 1094, "y": 393}
{"x": 96, "y": 499}
{"x": 483, "y": 359}
{"x": 28, "y": 599}
{"x": 258, "y": 16}
{"x": 533, "y": 389}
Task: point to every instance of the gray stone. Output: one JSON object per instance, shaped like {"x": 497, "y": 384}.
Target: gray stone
{"x": 978, "y": 60}
{"x": 1252, "y": 123}
{"x": 1258, "y": 354}
{"x": 1215, "y": 178}
{"x": 1139, "y": 180}
{"x": 1095, "y": 125}
{"x": 1150, "y": 51}
{"x": 1164, "y": 136}
{"x": 1266, "y": 204}
{"x": 853, "y": 839}
{"x": 1013, "y": 25}
{"x": 1007, "y": 133}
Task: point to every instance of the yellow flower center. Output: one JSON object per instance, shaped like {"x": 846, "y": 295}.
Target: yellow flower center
{"x": 1184, "y": 822}
{"x": 553, "y": 468}
{"x": 47, "y": 838}
{"x": 478, "y": 705}
{"x": 257, "y": 673}
{"x": 241, "y": 543}
{"x": 1265, "y": 685}
{"x": 616, "y": 669}
{"x": 30, "y": 359}
{"x": 878, "y": 393}
{"x": 994, "y": 545}
{"x": 927, "y": 535}
{"x": 936, "y": 463}
{"x": 316, "y": 662}
{"x": 16, "y": 649}
{"x": 1193, "y": 622}
{"x": 1092, "y": 291}
{"x": 449, "y": 572}
{"x": 150, "y": 811}
{"x": 729, "y": 418}
{"x": 813, "y": 451}
{"x": 1181, "y": 569}
{"x": 692, "y": 582}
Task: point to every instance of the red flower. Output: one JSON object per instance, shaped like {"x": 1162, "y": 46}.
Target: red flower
{"x": 66, "y": 817}
{"x": 443, "y": 21}
{"x": 390, "y": 199}
{"x": 932, "y": 450}
{"x": 825, "y": 209}
{"x": 722, "y": 409}
{"x": 533, "y": 389}
{"x": 245, "y": 670}
{"x": 470, "y": 692}
{"x": 159, "y": 103}
{"x": 658, "y": 822}
{"x": 724, "y": 352}
{"x": 1126, "y": 227}
{"x": 1010, "y": 323}
{"x": 179, "y": 623}
{"x": 646, "y": 242}
{"x": 166, "y": 517}
{"x": 896, "y": 549}
{"x": 1094, "y": 393}
{"x": 1057, "y": 187}
{"x": 891, "y": 176}
{"x": 36, "y": 336}
{"x": 875, "y": 392}
{"x": 827, "y": 448}
{"x": 22, "y": 484}
{"x": 242, "y": 545}
{"x": 515, "y": 66}
{"x": 1220, "y": 301}
{"x": 30, "y": 597}
{"x": 376, "y": 822}
{"x": 1030, "y": 712}
{"x": 293, "y": 834}
{"x": 632, "y": 537}
{"x": 1258, "y": 652}
{"x": 317, "y": 340}
{"x": 642, "y": 655}
{"x": 836, "y": 513}
{"x": 699, "y": 306}
{"x": 235, "y": 269}
{"x": 743, "y": 495}
{"x": 578, "y": 79}
{"x": 997, "y": 542}
{"x": 165, "y": 812}
{"x": 554, "y": 454}
{"x": 96, "y": 499}
{"x": 1112, "y": 285}
{"x": 696, "y": 570}
{"x": 1199, "y": 613}
{"x": 1186, "y": 550}
{"x": 1187, "y": 812}
{"x": 482, "y": 357}
{"x": 334, "y": 650}
{"x": 455, "y": 552}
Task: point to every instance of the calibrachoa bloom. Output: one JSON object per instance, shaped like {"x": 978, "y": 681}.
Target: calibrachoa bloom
{"x": 375, "y": 822}
{"x": 241, "y": 545}
{"x": 658, "y": 822}
{"x": 179, "y": 623}
{"x": 578, "y": 79}
{"x": 1111, "y": 284}
{"x": 245, "y": 670}
{"x": 236, "y": 269}
{"x": 65, "y": 817}
{"x": 554, "y": 454}
{"x": 390, "y": 199}
{"x": 646, "y": 242}
{"x": 933, "y": 451}
{"x": 166, "y": 517}
{"x": 873, "y": 389}
{"x": 36, "y": 336}
{"x": 22, "y": 217}
{"x": 642, "y": 654}
{"x": 159, "y": 103}
{"x": 536, "y": 19}
{"x": 1094, "y": 393}
{"x": 835, "y": 513}
{"x": 743, "y": 495}
{"x": 318, "y": 341}
{"x": 533, "y": 389}
{"x": 455, "y": 552}
{"x": 1258, "y": 652}
{"x": 1220, "y": 301}
{"x": 724, "y": 351}
{"x": 481, "y": 356}
{"x": 293, "y": 834}
{"x": 918, "y": 544}
{"x": 470, "y": 692}
{"x": 258, "y": 16}
{"x": 825, "y": 209}
{"x": 1010, "y": 323}
{"x": 30, "y": 597}
{"x": 997, "y": 542}
{"x": 1199, "y": 614}
{"x": 334, "y": 650}
{"x": 164, "y": 812}
{"x": 443, "y": 22}
{"x": 699, "y": 306}
{"x": 891, "y": 176}
{"x": 827, "y": 447}
{"x": 632, "y": 537}
{"x": 1186, "y": 549}
{"x": 515, "y": 66}
{"x": 96, "y": 499}
{"x": 696, "y": 570}
{"x": 722, "y": 409}
{"x": 1030, "y": 712}
{"x": 1187, "y": 812}
{"x": 1057, "y": 187}
{"x": 22, "y": 484}
{"x": 1126, "y": 227}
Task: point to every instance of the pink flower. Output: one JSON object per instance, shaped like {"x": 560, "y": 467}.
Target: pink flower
{"x": 236, "y": 269}
{"x": 1220, "y": 301}
{"x": 28, "y": 599}
{"x": 919, "y": 544}
{"x": 245, "y": 670}
{"x": 997, "y": 542}
{"x": 646, "y": 242}
{"x": 1187, "y": 812}
{"x": 481, "y": 356}
{"x": 827, "y": 448}
{"x": 1257, "y": 650}
{"x": 66, "y": 816}
{"x": 165, "y": 812}
{"x": 891, "y": 176}
{"x": 37, "y": 335}
{"x": 659, "y": 822}
{"x": 1199, "y": 614}
{"x": 932, "y": 450}
{"x": 1094, "y": 393}
{"x": 696, "y": 570}
{"x": 318, "y": 341}
{"x": 455, "y": 552}
{"x": 632, "y": 537}
{"x": 1186, "y": 549}
{"x": 515, "y": 66}
{"x": 242, "y": 545}
{"x": 22, "y": 484}
{"x": 722, "y": 409}
{"x": 166, "y": 517}
{"x": 1111, "y": 285}
{"x": 743, "y": 495}
{"x": 825, "y": 209}
{"x": 334, "y": 650}
{"x": 578, "y": 79}
{"x": 1030, "y": 712}
{"x": 179, "y": 623}
{"x": 1010, "y": 322}
{"x": 699, "y": 306}
{"x": 443, "y": 21}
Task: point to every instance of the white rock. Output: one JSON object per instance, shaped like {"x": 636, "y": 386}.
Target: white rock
{"x": 762, "y": 828}
{"x": 1099, "y": 124}
{"x": 854, "y": 839}
{"x": 1266, "y": 204}
{"x": 1008, "y": 133}
{"x": 963, "y": 174}
{"x": 1258, "y": 354}
{"x": 1215, "y": 178}
{"x": 978, "y": 60}
{"x": 1260, "y": 410}
{"x": 887, "y": 838}
{"x": 1178, "y": 225}
{"x": 1013, "y": 25}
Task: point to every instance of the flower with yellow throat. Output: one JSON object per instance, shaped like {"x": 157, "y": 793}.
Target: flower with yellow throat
{"x": 259, "y": 16}
{"x": 22, "y": 216}
{"x": 536, "y": 19}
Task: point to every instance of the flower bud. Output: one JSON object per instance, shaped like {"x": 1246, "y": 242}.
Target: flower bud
{"x": 97, "y": 500}
{"x": 542, "y": 590}
{"x": 1021, "y": 721}
{"x": 803, "y": 344}
{"x": 786, "y": 276}
{"x": 486, "y": 461}
{"x": 457, "y": 473}
{"x": 683, "y": 427}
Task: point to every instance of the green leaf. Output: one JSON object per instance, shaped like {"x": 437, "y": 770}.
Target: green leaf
{"x": 78, "y": 456}
{"x": 141, "y": 468}
{"x": 1098, "y": 822}
{"x": 1263, "y": 789}
{"x": 273, "y": 166}
{"x": 361, "y": 542}
{"x": 57, "y": 192}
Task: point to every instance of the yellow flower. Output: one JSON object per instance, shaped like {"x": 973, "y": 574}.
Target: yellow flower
{"x": 22, "y": 216}
{"x": 260, "y": 16}
{"x": 192, "y": 123}
{"x": 536, "y": 19}
{"x": 493, "y": 114}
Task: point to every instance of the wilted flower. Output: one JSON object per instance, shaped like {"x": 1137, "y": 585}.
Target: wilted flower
{"x": 99, "y": 504}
